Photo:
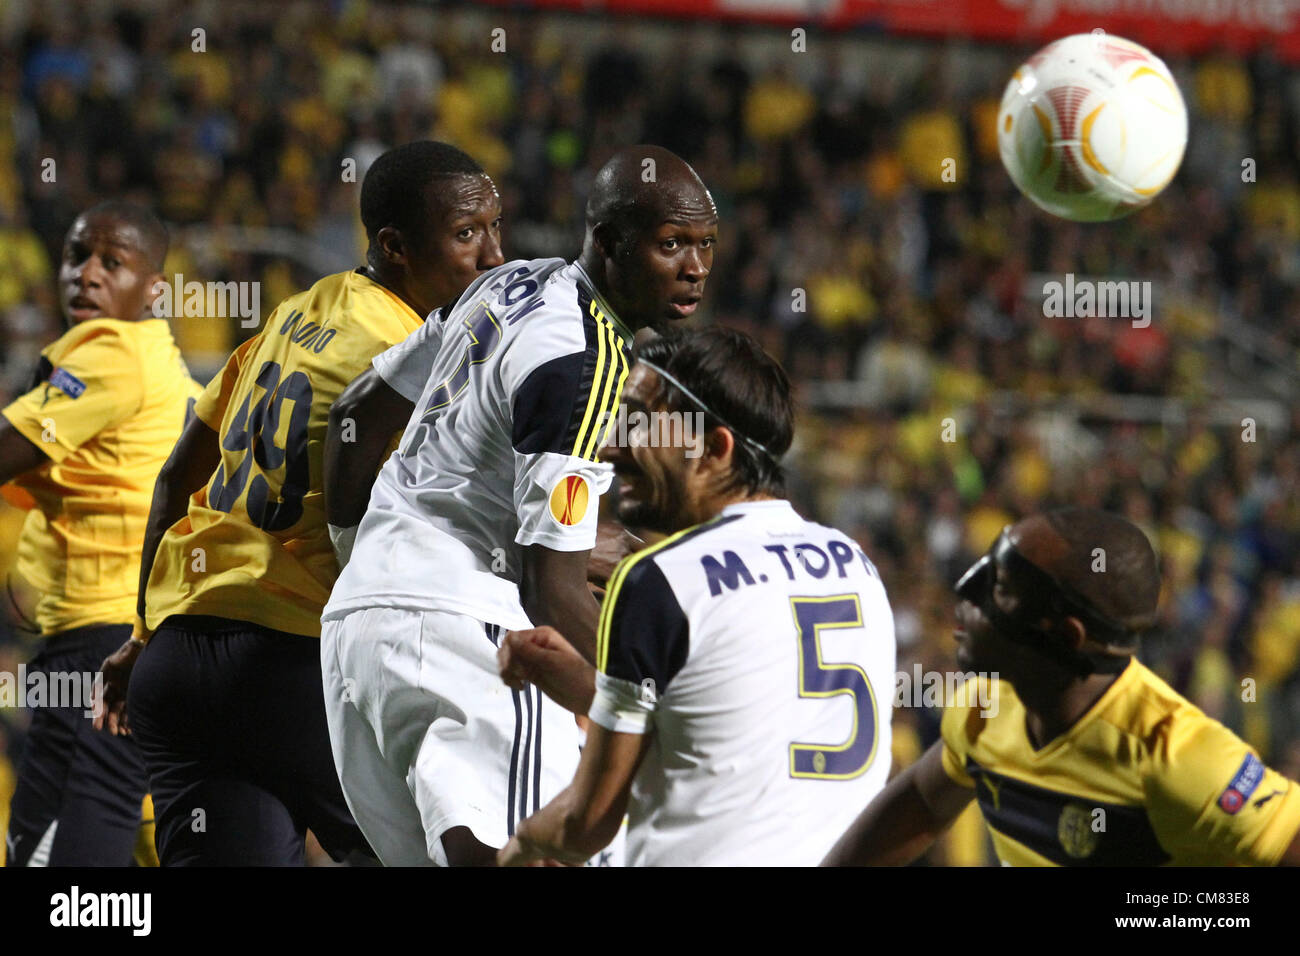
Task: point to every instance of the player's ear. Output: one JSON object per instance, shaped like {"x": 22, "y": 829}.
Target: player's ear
{"x": 391, "y": 245}
{"x": 1073, "y": 632}
{"x": 720, "y": 449}
{"x": 606, "y": 238}
{"x": 156, "y": 284}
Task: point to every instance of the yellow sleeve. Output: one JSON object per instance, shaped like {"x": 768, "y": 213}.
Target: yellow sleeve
{"x": 211, "y": 405}
{"x": 956, "y": 743}
{"x": 1212, "y": 794}
{"x": 97, "y": 383}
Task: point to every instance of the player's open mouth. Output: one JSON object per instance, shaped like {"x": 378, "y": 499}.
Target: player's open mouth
{"x": 685, "y": 307}
{"x": 80, "y": 305}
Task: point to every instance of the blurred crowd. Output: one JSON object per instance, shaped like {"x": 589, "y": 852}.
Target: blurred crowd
{"x": 869, "y": 237}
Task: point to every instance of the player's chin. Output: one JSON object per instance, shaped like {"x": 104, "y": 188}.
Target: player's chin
{"x": 640, "y": 515}
{"x": 966, "y": 656}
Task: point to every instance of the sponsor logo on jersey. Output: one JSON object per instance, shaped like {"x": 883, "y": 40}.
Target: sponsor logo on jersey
{"x": 1074, "y": 830}
{"x": 1249, "y": 774}
{"x": 569, "y": 500}
{"x": 67, "y": 383}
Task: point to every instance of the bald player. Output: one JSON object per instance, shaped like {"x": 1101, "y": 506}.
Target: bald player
{"x": 84, "y": 446}
{"x": 225, "y": 700}
{"x": 484, "y": 519}
{"x": 1088, "y": 758}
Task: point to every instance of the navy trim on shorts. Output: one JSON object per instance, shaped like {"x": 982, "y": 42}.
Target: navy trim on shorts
{"x": 528, "y": 740}
{"x": 537, "y": 763}
{"x": 514, "y": 765}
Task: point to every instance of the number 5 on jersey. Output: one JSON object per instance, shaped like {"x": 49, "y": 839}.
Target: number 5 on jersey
{"x": 818, "y": 679}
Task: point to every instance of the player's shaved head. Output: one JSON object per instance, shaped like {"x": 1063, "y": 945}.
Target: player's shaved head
{"x": 1071, "y": 543}
{"x": 642, "y": 186}
{"x": 651, "y": 228}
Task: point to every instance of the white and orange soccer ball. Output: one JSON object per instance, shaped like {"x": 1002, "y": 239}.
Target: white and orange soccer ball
{"x": 1092, "y": 127}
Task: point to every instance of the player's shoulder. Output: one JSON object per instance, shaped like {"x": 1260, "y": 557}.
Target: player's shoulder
{"x": 658, "y": 564}
{"x": 351, "y": 295}
{"x": 692, "y": 558}
{"x": 94, "y": 347}
{"x": 515, "y": 289}
{"x": 774, "y": 526}
{"x": 103, "y": 332}
{"x": 689, "y": 544}
{"x": 978, "y": 703}
{"x": 555, "y": 333}
{"x": 1150, "y": 712}
{"x": 543, "y": 307}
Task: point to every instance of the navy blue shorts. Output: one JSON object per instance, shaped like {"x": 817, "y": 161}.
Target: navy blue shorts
{"x": 230, "y": 718}
{"x": 77, "y": 800}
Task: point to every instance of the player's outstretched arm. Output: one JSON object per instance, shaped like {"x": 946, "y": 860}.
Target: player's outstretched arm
{"x": 18, "y": 454}
{"x": 905, "y": 818}
{"x": 191, "y": 463}
{"x": 585, "y": 817}
{"x": 554, "y": 593}
{"x": 362, "y": 422}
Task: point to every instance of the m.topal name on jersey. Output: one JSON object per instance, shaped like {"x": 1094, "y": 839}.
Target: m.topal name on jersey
{"x": 730, "y": 571}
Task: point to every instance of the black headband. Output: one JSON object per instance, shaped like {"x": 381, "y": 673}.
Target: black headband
{"x": 754, "y": 445}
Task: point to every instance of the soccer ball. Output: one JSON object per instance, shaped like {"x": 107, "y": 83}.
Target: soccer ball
{"x": 1092, "y": 127}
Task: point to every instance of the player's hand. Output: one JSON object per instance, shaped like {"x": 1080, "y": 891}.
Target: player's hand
{"x": 519, "y": 853}
{"x": 543, "y": 657}
{"x": 613, "y": 544}
{"x": 515, "y": 854}
{"x": 110, "y": 708}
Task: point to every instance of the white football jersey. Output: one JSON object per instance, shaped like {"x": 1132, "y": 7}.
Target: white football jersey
{"x": 758, "y": 648}
{"x": 514, "y": 387}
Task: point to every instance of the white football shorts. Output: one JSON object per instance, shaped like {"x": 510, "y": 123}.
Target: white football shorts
{"x": 427, "y": 737}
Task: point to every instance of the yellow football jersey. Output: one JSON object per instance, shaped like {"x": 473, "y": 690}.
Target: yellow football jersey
{"x": 109, "y": 405}
{"x": 1142, "y": 779}
{"x": 254, "y": 544}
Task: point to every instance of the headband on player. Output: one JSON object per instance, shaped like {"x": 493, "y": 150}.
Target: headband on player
{"x": 754, "y": 445}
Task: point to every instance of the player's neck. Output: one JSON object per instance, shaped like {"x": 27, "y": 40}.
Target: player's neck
{"x": 594, "y": 266}
{"x": 1053, "y": 710}
{"x": 394, "y": 285}
{"x": 713, "y": 506}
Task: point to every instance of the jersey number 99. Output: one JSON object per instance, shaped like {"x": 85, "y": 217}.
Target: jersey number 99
{"x": 253, "y": 431}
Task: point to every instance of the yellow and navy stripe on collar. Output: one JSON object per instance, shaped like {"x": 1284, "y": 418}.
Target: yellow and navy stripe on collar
{"x": 605, "y": 369}
{"x": 617, "y": 579}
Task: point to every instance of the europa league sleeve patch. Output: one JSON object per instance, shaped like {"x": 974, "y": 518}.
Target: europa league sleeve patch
{"x": 1243, "y": 785}
{"x": 67, "y": 383}
{"x": 569, "y": 500}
